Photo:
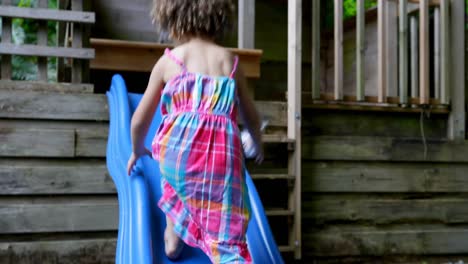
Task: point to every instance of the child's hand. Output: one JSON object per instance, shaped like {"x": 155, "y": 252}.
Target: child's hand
{"x": 134, "y": 157}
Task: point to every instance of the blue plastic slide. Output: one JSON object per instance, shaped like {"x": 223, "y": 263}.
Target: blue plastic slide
{"x": 141, "y": 222}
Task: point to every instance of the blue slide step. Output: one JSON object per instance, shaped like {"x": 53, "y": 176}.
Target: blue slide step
{"x": 141, "y": 222}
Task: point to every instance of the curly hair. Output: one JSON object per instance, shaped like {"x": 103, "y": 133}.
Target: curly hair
{"x": 190, "y": 18}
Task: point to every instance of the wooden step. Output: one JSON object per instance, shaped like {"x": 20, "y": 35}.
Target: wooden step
{"x": 272, "y": 176}
{"x": 277, "y": 138}
{"x": 279, "y": 212}
{"x": 286, "y": 248}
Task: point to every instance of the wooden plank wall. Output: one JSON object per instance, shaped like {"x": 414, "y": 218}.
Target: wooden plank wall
{"x": 372, "y": 195}
{"x": 57, "y": 202}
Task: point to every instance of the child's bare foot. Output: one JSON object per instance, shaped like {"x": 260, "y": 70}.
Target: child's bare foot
{"x": 173, "y": 245}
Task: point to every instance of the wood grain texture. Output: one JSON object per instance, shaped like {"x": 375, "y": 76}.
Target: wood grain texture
{"x": 58, "y": 215}
{"x": 37, "y": 177}
{"x": 47, "y": 14}
{"x": 35, "y": 50}
{"x": 36, "y": 143}
{"x": 37, "y": 105}
{"x": 374, "y": 210}
{"x": 384, "y": 177}
{"x": 46, "y": 87}
{"x": 380, "y": 242}
{"x": 83, "y": 251}
{"x": 383, "y": 149}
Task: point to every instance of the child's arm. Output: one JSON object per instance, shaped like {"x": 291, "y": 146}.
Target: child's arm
{"x": 144, "y": 113}
{"x": 249, "y": 113}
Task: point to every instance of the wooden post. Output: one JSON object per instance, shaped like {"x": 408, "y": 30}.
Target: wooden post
{"x": 436, "y": 42}
{"x": 315, "y": 49}
{"x": 77, "y": 70}
{"x": 391, "y": 48}
{"x": 444, "y": 53}
{"x": 294, "y": 116}
{"x": 403, "y": 54}
{"x": 360, "y": 50}
{"x": 414, "y": 41}
{"x": 6, "y": 38}
{"x": 424, "y": 51}
{"x": 42, "y": 41}
{"x": 457, "y": 123}
{"x": 338, "y": 49}
{"x": 246, "y": 24}
{"x": 381, "y": 47}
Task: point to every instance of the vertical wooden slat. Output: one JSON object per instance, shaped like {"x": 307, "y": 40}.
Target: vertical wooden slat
{"x": 436, "y": 42}
{"x": 381, "y": 43}
{"x": 77, "y": 5}
{"x": 403, "y": 54}
{"x": 294, "y": 116}
{"x": 360, "y": 50}
{"x": 414, "y": 57}
{"x": 315, "y": 49}
{"x": 246, "y": 24}
{"x": 391, "y": 47}
{"x": 457, "y": 119}
{"x": 424, "y": 51}
{"x": 6, "y": 38}
{"x": 444, "y": 52}
{"x": 62, "y": 75}
{"x": 42, "y": 41}
{"x": 338, "y": 49}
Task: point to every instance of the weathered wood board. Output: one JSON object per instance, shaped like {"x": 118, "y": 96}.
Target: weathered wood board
{"x": 363, "y": 241}
{"x": 383, "y": 149}
{"x": 83, "y": 251}
{"x": 384, "y": 177}
{"x": 51, "y": 177}
{"x": 37, "y": 105}
{"x": 59, "y": 214}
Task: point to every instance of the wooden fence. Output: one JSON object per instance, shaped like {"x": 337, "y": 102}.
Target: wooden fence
{"x": 404, "y": 60}
{"x": 71, "y": 44}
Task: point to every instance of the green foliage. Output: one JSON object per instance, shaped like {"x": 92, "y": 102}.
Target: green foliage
{"x": 24, "y": 31}
{"x": 350, "y": 7}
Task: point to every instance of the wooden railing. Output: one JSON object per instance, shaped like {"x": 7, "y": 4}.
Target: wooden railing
{"x": 72, "y": 46}
{"x": 409, "y": 52}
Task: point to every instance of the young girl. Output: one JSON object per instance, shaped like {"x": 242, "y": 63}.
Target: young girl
{"x": 200, "y": 89}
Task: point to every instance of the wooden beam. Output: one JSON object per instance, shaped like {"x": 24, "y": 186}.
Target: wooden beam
{"x": 316, "y": 49}
{"x": 403, "y": 51}
{"x": 294, "y": 117}
{"x": 424, "y": 51}
{"x": 77, "y": 43}
{"x": 246, "y": 31}
{"x": 384, "y": 177}
{"x": 444, "y": 52}
{"x": 42, "y": 41}
{"x": 37, "y": 143}
{"x": 6, "y": 71}
{"x": 381, "y": 51}
{"x": 360, "y": 50}
{"x": 391, "y": 53}
{"x": 431, "y": 2}
{"x": 35, "y": 50}
{"x": 120, "y": 55}
{"x": 457, "y": 120}
{"x": 338, "y": 49}
{"x": 47, "y": 177}
{"x": 47, "y": 14}
{"x": 414, "y": 57}
{"x": 436, "y": 41}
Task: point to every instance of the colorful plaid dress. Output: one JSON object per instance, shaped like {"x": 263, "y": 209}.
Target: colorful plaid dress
{"x": 202, "y": 166}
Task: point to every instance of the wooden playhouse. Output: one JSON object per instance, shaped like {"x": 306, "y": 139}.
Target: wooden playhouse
{"x": 365, "y": 153}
